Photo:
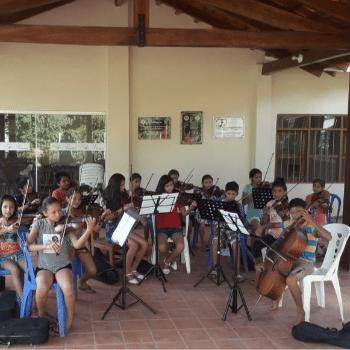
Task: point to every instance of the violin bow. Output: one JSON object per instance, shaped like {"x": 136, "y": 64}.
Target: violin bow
{"x": 90, "y": 200}
{"x": 144, "y": 190}
{"x": 189, "y": 175}
{"x": 280, "y": 201}
{"x": 213, "y": 190}
{"x": 24, "y": 201}
{"x": 66, "y": 222}
{"x": 268, "y": 167}
{"x": 184, "y": 184}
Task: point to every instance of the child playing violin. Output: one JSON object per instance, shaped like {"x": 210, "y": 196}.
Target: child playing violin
{"x": 53, "y": 260}
{"x": 319, "y": 212}
{"x": 206, "y": 191}
{"x": 137, "y": 245}
{"x": 254, "y": 216}
{"x": 227, "y": 236}
{"x": 73, "y": 202}
{"x": 305, "y": 264}
{"x": 63, "y": 183}
{"x": 169, "y": 226}
{"x": 271, "y": 217}
{"x": 137, "y": 191}
{"x": 11, "y": 254}
{"x": 25, "y": 187}
{"x": 174, "y": 174}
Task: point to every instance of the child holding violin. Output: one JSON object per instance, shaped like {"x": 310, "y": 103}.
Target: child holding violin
{"x": 11, "y": 254}
{"x": 275, "y": 212}
{"x": 169, "y": 226}
{"x": 53, "y": 260}
{"x": 254, "y": 216}
{"x": 319, "y": 211}
{"x": 73, "y": 205}
{"x": 139, "y": 192}
{"x": 115, "y": 208}
{"x": 63, "y": 183}
{"x": 305, "y": 264}
{"x": 25, "y": 187}
{"x": 227, "y": 236}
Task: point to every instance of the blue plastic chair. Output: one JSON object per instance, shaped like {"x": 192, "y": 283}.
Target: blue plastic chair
{"x": 78, "y": 271}
{"x": 329, "y": 214}
{"x": 30, "y": 286}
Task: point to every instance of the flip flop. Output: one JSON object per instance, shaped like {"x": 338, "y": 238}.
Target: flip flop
{"x": 240, "y": 278}
{"x": 86, "y": 288}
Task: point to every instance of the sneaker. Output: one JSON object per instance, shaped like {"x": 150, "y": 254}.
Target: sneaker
{"x": 166, "y": 269}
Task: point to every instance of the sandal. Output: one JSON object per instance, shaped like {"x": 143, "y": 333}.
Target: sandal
{"x": 166, "y": 269}
{"x": 136, "y": 274}
{"x": 132, "y": 280}
{"x": 240, "y": 278}
{"x": 86, "y": 288}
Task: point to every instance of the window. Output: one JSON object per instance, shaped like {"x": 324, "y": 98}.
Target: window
{"x": 310, "y": 146}
{"x": 38, "y": 145}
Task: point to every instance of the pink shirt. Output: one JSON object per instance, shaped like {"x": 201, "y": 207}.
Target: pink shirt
{"x": 274, "y": 219}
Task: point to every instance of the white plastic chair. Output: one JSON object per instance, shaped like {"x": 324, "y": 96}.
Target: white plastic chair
{"x": 328, "y": 271}
{"x": 185, "y": 255}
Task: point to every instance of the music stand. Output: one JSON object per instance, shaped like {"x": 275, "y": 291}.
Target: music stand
{"x": 209, "y": 210}
{"x": 261, "y": 196}
{"x": 119, "y": 236}
{"x": 154, "y": 205}
{"x": 235, "y": 224}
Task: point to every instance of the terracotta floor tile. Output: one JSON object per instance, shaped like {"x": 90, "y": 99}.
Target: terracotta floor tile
{"x": 138, "y": 336}
{"x": 201, "y": 344}
{"x": 161, "y": 324}
{"x": 260, "y": 344}
{"x": 181, "y": 313}
{"x": 106, "y": 326}
{"x": 79, "y": 340}
{"x": 174, "y": 304}
{"x": 207, "y": 311}
{"x": 276, "y": 331}
{"x": 166, "y": 336}
{"x": 289, "y": 343}
{"x": 230, "y": 344}
{"x": 171, "y": 345}
{"x": 133, "y": 325}
{"x": 187, "y": 323}
{"x": 141, "y": 346}
{"x": 109, "y": 338}
{"x": 249, "y": 332}
{"x": 194, "y": 334}
{"x": 222, "y": 333}
{"x": 54, "y": 341}
{"x": 111, "y": 346}
{"x": 213, "y": 322}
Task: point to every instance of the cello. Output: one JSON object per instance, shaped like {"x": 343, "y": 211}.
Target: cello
{"x": 280, "y": 258}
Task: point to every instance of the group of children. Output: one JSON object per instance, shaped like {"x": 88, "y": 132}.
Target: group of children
{"x": 58, "y": 264}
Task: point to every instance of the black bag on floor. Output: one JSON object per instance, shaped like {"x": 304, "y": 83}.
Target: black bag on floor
{"x": 8, "y": 305}
{"x": 105, "y": 272}
{"x": 24, "y": 331}
{"x": 2, "y": 283}
{"x": 309, "y": 332}
{"x": 144, "y": 267}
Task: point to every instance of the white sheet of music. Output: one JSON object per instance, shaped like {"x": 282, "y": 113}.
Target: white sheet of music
{"x": 124, "y": 227}
{"x": 229, "y": 217}
{"x": 166, "y": 203}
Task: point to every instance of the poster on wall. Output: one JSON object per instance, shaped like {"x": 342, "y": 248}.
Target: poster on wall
{"x": 228, "y": 127}
{"x": 154, "y": 128}
{"x": 191, "y": 128}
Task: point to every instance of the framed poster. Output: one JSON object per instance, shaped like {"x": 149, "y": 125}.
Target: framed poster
{"x": 228, "y": 127}
{"x": 154, "y": 128}
{"x": 191, "y": 128}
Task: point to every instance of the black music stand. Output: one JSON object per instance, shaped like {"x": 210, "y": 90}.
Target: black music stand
{"x": 209, "y": 210}
{"x": 261, "y": 196}
{"x": 154, "y": 205}
{"x": 235, "y": 224}
{"x": 120, "y": 235}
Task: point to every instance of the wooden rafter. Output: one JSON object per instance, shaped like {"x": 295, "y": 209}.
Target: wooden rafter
{"x": 12, "y": 6}
{"x": 272, "y": 15}
{"x": 330, "y": 8}
{"x": 308, "y": 57}
{"x": 140, "y": 7}
{"x": 76, "y": 35}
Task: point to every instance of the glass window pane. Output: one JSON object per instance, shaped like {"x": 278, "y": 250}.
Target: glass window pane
{"x": 326, "y": 168}
{"x": 325, "y": 122}
{"x": 325, "y": 142}
{"x": 290, "y": 169}
{"x": 290, "y": 143}
{"x": 291, "y": 122}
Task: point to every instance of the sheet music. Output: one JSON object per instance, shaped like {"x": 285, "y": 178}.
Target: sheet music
{"x": 166, "y": 203}
{"x": 125, "y": 226}
{"x": 232, "y": 219}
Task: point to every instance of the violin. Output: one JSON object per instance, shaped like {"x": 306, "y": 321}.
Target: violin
{"x": 325, "y": 204}
{"x": 182, "y": 186}
{"x": 127, "y": 198}
{"x": 73, "y": 223}
{"x": 213, "y": 191}
{"x": 280, "y": 257}
{"x": 265, "y": 184}
{"x": 281, "y": 208}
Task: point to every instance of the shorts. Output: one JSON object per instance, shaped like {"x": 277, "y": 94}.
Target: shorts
{"x": 16, "y": 257}
{"x": 302, "y": 268}
{"x": 227, "y": 236}
{"x": 69, "y": 266}
{"x": 169, "y": 232}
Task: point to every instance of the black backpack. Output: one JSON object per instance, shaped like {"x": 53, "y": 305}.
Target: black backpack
{"x": 105, "y": 272}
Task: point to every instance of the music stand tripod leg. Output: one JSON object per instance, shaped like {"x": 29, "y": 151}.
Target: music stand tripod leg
{"x": 123, "y": 291}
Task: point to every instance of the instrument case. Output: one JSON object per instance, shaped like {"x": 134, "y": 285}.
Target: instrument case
{"x": 8, "y": 305}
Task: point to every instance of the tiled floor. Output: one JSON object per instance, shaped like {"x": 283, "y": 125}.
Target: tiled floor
{"x": 191, "y": 318}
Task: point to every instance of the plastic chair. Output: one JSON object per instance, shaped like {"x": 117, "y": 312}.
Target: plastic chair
{"x": 328, "y": 271}
{"x": 185, "y": 255}
{"x": 329, "y": 214}
{"x": 30, "y": 286}
{"x": 78, "y": 271}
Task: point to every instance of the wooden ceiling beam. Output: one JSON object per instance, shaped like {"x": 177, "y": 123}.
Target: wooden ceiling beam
{"x": 13, "y": 6}
{"x": 77, "y": 35}
{"x": 331, "y": 8}
{"x": 272, "y": 15}
{"x": 307, "y": 58}
{"x": 140, "y": 8}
